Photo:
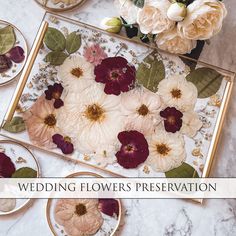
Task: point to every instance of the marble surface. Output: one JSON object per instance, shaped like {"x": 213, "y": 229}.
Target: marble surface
{"x": 142, "y": 217}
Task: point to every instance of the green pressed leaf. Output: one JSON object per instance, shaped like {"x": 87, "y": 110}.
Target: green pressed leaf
{"x": 56, "y": 58}
{"x": 139, "y": 3}
{"x": 207, "y": 81}
{"x": 73, "y": 42}
{"x": 25, "y": 172}
{"x": 16, "y": 125}
{"x": 55, "y": 40}
{"x": 184, "y": 171}
{"x": 7, "y": 39}
{"x": 150, "y": 72}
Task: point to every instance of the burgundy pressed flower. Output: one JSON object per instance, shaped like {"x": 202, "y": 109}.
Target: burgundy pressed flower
{"x": 55, "y": 92}
{"x": 5, "y": 63}
{"x": 16, "y": 54}
{"x": 7, "y": 167}
{"x": 134, "y": 149}
{"x": 172, "y": 119}
{"x": 64, "y": 143}
{"x": 109, "y": 206}
{"x": 117, "y": 75}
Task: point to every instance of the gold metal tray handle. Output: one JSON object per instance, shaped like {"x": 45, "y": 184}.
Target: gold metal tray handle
{"x": 26, "y": 71}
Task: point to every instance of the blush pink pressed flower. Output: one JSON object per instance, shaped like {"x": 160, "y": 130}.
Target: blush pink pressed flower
{"x": 79, "y": 217}
{"x": 94, "y": 54}
{"x": 41, "y": 122}
{"x": 117, "y": 75}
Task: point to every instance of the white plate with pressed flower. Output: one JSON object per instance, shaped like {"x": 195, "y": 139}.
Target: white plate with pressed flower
{"x": 16, "y": 161}
{"x": 13, "y": 52}
{"x": 104, "y": 215}
{"x": 59, "y": 5}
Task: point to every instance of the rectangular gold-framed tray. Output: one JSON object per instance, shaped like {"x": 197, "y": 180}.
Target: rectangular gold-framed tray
{"x": 127, "y": 108}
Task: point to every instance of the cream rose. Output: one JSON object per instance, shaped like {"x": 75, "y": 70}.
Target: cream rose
{"x": 204, "y": 19}
{"x": 172, "y": 42}
{"x": 127, "y": 10}
{"x": 152, "y": 18}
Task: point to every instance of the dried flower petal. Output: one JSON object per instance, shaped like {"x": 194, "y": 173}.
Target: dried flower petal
{"x": 7, "y": 167}
{"x": 5, "y": 63}
{"x": 117, "y": 75}
{"x": 16, "y": 54}
{"x": 55, "y": 92}
{"x": 172, "y": 119}
{"x": 109, "y": 207}
{"x": 64, "y": 143}
{"x": 134, "y": 149}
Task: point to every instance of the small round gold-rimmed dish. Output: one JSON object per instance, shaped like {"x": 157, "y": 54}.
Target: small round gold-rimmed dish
{"x": 110, "y": 224}
{"x": 59, "y": 5}
{"x": 16, "y": 68}
{"x": 21, "y": 156}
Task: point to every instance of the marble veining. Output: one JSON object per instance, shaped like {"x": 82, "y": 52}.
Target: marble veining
{"x": 141, "y": 217}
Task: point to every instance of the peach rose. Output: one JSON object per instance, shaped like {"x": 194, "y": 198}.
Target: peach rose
{"x": 152, "y": 18}
{"x": 41, "y": 122}
{"x": 204, "y": 19}
{"x": 172, "y": 42}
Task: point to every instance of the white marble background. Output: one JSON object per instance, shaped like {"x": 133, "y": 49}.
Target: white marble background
{"x": 143, "y": 217}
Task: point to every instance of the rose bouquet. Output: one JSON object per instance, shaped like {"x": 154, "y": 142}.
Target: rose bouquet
{"x": 173, "y": 25}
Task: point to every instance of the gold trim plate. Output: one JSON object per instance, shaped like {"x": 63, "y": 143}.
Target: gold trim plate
{"x": 74, "y": 175}
{"x": 22, "y": 64}
{"x": 57, "y": 7}
{"x": 28, "y": 201}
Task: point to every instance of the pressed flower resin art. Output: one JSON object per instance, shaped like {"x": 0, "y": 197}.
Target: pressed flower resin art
{"x": 120, "y": 105}
{"x": 85, "y": 217}
{"x": 13, "y": 52}
{"x": 16, "y": 161}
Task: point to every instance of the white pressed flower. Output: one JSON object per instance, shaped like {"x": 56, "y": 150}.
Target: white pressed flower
{"x": 105, "y": 155}
{"x": 141, "y": 108}
{"x": 127, "y": 10}
{"x": 92, "y": 117}
{"x": 176, "y": 91}
{"x": 166, "y": 151}
{"x": 76, "y": 73}
{"x": 191, "y": 124}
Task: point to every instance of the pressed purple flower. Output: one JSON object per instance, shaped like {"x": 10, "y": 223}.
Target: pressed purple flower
{"x": 5, "y": 63}
{"x": 64, "y": 143}
{"x": 172, "y": 119}
{"x": 109, "y": 207}
{"x": 55, "y": 92}
{"x": 134, "y": 149}
{"x": 117, "y": 75}
{"x": 16, "y": 54}
{"x": 7, "y": 167}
